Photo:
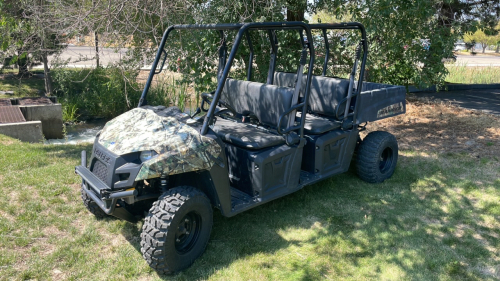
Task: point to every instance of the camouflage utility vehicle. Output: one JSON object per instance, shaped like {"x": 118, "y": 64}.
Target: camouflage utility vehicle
{"x": 256, "y": 142}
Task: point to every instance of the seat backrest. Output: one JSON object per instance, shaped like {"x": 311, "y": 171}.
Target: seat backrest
{"x": 325, "y": 94}
{"x": 264, "y": 101}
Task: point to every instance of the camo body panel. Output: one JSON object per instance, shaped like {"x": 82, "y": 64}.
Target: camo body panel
{"x": 180, "y": 147}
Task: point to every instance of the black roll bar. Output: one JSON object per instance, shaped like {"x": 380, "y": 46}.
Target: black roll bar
{"x": 142, "y": 100}
{"x": 274, "y": 52}
{"x": 222, "y": 54}
{"x": 327, "y": 52}
{"x": 221, "y": 26}
{"x": 348, "y": 25}
{"x": 250, "y": 59}
{"x": 227, "y": 68}
{"x": 243, "y": 30}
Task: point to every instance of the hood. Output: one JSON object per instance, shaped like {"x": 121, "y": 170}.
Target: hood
{"x": 180, "y": 147}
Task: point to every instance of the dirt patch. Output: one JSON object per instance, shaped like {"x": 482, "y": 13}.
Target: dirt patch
{"x": 436, "y": 126}
{"x": 8, "y": 142}
{"x": 5, "y": 102}
{"x": 34, "y": 101}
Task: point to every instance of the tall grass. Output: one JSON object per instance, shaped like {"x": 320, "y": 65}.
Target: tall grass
{"x": 170, "y": 92}
{"x": 69, "y": 113}
{"x": 473, "y": 75}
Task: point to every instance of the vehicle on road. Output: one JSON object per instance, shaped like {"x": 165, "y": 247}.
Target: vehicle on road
{"x": 254, "y": 143}
{"x": 460, "y": 46}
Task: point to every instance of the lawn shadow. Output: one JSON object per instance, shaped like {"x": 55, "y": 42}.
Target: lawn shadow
{"x": 487, "y": 100}
{"x": 419, "y": 222}
{"x": 66, "y": 151}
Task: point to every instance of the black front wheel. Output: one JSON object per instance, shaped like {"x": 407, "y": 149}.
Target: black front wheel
{"x": 377, "y": 156}
{"x": 177, "y": 229}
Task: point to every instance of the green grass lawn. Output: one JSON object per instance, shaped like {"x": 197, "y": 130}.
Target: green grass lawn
{"x": 437, "y": 218}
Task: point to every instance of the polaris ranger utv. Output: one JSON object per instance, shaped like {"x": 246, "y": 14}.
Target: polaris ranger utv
{"x": 256, "y": 142}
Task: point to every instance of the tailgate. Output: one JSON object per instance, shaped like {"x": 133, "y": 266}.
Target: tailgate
{"x": 378, "y": 101}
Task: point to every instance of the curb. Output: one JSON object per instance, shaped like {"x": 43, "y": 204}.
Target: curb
{"x": 454, "y": 87}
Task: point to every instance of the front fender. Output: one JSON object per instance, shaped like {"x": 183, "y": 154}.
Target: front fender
{"x": 180, "y": 147}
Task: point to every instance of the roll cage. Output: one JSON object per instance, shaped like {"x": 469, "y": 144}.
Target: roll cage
{"x": 242, "y": 29}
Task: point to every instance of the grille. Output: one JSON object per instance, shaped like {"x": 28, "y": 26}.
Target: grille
{"x": 100, "y": 170}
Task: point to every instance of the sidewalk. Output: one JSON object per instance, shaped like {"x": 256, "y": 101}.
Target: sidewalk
{"x": 486, "y": 100}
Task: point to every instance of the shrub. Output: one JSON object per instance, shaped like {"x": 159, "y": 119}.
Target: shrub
{"x": 101, "y": 92}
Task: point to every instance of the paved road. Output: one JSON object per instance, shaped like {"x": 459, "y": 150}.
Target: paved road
{"x": 485, "y": 100}
{"x": 85, "y": 56}
{"x": 478, "y": 60}
{"x": 78, "y": 56}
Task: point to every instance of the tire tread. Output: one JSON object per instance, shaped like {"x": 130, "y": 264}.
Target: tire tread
{"x": 367, "y": 156}
{"x": 157, "y": 222}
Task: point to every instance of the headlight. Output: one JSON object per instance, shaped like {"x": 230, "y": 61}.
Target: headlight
{"x": 147, "y": 155}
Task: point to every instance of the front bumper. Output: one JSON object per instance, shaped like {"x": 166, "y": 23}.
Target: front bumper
{"x": 104, "y": 196}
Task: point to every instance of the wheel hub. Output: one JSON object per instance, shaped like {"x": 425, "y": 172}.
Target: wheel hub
{"x": 187, "y": 232}
{"x": 385, "y": 161}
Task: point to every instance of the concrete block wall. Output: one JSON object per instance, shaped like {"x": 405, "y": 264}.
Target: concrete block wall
{"x": 50, "y": 117}
{"x": 30, "y": 131}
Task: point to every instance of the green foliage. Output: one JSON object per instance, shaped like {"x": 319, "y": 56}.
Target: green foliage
{"x": 108, "y": 92}
{"x": 481, "y": 37}
{"x": 195, "y": 53}
{"x": 170, "y": 92}
{"x": 69, "y": 113}
{"x": 101, "y": 92}
{"x": 30, "y": 30}
{"x": 406, "y": 41}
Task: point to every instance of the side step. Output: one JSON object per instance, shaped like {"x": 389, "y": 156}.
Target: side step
{"x": 240, "y": 200}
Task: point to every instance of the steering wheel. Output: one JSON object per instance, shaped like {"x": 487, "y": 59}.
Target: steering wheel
{"x": 208, "y": 98}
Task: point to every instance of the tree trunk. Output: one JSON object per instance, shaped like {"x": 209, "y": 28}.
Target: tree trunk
{"x": 96, "y": 48}
{"x": 22, "y": 63}
{"x": 295, "y": 11}
{"x": 484, "y": 47}
{"x": 96, "y": 41}
{"x": 47, "y": 77}
{"x": 498, "y": 48}
{"x": 292, "y": 15}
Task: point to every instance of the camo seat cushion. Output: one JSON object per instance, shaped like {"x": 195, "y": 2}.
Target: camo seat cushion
{"x": 317, "y": 125}
{"x": 245, "y": 135}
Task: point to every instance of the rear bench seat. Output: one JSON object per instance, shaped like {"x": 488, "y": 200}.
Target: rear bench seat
{"x": 266, "y": 102}
{"x": 324, "y": 97}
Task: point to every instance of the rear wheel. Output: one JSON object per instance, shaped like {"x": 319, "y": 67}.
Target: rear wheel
{"x": 377, "y": 156}
{"x": 92, "y": 206}
{"x": 177, "y": 229}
